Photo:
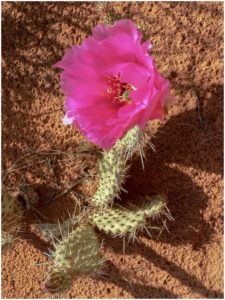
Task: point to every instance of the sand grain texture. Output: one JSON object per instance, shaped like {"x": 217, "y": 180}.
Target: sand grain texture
{"x": 188, "y": 166}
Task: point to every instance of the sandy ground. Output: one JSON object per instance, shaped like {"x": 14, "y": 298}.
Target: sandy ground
{"x": 188, "y": 166}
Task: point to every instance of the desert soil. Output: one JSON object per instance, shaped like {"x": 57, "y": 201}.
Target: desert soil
{"x": 187, "y": 38}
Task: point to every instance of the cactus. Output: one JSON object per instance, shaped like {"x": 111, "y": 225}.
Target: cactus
{"x": 78, "y": 253}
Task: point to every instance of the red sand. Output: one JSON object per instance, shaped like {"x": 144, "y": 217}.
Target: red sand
{"x": 188, "y": 166}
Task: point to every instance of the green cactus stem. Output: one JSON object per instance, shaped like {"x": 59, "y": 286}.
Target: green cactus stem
{"x": 113, "y": 168}
{"x": 120, "y": 221}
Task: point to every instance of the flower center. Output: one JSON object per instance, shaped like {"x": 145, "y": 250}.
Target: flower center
{"x": 119, "y": 92}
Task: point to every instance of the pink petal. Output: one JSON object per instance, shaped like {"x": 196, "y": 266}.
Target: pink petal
{"x": 90, "y": 105}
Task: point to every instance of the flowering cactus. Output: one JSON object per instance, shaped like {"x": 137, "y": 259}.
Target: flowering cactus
{"x": 113, "y": 89}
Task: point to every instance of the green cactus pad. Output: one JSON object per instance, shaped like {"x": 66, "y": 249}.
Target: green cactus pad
{"x": 112, "y": 169}
{"x": 121, "y": 221}
{"x": 129, "y": 142}
{"x": 79, "y": 252}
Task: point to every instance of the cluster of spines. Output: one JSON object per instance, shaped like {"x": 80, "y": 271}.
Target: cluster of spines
{"x": 61, "y": 229}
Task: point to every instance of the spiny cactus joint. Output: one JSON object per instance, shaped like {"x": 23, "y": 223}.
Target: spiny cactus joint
{"x": 113, "y": 169}
{"x": 79, "y": 252}
{"x": 121, "y": 221}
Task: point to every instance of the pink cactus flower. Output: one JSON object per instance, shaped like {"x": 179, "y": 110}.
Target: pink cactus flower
{"x": 112, "y": 84}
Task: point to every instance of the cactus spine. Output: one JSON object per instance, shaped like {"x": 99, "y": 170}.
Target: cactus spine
{"x": 60, "y": 230}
